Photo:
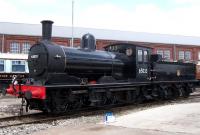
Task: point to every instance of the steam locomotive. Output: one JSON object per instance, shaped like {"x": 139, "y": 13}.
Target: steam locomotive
{"x": 63, "y": 78}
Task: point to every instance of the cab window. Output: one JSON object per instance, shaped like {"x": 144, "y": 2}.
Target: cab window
{"x": 140, "y": 53}
{"x": 145, "y": 56}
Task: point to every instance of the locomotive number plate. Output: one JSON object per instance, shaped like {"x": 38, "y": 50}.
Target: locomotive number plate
{"x": 142, "y": 71}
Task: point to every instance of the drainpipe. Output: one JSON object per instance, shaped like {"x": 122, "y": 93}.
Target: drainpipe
{"x": 72, "y": 40}
{"x": 2, "y": 45}
{"x": 174, "y": 46}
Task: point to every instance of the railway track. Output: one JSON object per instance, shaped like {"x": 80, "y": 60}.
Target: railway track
{"x": 18, "y": 120}
{"x": 43, "y": 118}
{"x": 195, "y": 95}
{"x": 38, "y": 118}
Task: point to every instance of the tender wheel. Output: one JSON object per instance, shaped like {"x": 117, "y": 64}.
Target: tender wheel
{"x": 186, "y": 91}
{"x": 175, "y": 91}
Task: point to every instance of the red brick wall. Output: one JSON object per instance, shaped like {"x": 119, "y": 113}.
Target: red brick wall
{"x": 163, "y": 47}
{"x": 193, "y": 49}
{"x": 186, "y": 48}
{"x": 100, "y": 44}
{"x": 19, "y": 39}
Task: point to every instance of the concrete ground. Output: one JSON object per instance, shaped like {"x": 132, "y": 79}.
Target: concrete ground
{"x": 10, "y": 106}
{"x": 179, "y": 119}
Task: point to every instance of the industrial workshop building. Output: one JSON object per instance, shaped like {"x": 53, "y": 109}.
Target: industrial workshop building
{"x": 18, "y": 37}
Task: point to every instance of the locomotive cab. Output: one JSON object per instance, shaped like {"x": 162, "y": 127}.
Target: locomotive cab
{"x": 142, "y": 63}
{"x": 137, "y": 67}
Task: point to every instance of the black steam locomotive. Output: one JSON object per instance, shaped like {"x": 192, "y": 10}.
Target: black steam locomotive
{"x": 65, "y": 78}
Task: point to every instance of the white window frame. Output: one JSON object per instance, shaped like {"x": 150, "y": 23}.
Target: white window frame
{"x": 166, "y": 55}
{"x": 181, "y": 55}
{"x": 185, "y": 55}
{"x": 25, "y": 47}
{"x": 160, "y": 52}
{"x": 189, "y": 53}
{"x": 14, "y": 47}
{"x": 18, "y": 62}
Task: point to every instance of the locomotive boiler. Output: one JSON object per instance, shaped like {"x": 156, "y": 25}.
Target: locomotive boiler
{"x": 47, "y": 60}
{"x": 63, "y": 78}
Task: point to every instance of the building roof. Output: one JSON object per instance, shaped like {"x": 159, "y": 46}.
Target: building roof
{"x": 64, "y": 31}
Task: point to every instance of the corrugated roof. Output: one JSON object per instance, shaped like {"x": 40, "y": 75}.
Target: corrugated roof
{"x": 63, "y": 31}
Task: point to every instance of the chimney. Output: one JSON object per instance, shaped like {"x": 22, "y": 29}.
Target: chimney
{"x": 46, "y": 29}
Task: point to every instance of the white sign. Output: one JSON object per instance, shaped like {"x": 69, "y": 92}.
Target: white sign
{"x": 109, "y": 117}
{"x": 142, "y": 71}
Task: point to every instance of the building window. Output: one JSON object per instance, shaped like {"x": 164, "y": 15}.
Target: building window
{"x": 1, "y": 65}
{"x": 140, "y": 55}
{"x": 187, "y": 55}
{"x": 145, "y": 56}
{"x": 25, "y": 48}
{"x": 1, "y": 46}
{"x": 198, "y": 55}
{"x": 14, "y": 47}
{"x": 181, "y": 55}
{"x": 18, "y": 66}
{"x": 165, "y": 54}
{"x": 160, "y": 52}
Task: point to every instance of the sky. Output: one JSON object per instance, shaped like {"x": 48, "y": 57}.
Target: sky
{"x": 176, "y": 17}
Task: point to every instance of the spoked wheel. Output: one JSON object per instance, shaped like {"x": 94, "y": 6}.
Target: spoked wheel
{"x": 183, "y": 90}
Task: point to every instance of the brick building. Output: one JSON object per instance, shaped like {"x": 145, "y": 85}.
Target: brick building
{"x": 17, "y": 38}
